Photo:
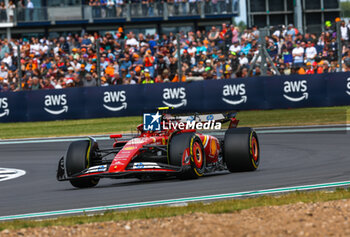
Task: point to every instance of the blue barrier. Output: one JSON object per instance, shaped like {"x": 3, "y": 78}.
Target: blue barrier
{"x": 204, "y": 96}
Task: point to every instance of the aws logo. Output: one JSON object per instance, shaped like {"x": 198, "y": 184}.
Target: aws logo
{"x": 237, "y": 90}
{"x": 174, "y": 94}
{"x": 115, "y": 97}
{"x": 4, "y": 107}
{"x": 348, "y": 86}
{"x": 56, "y": 101}
{"x": 295, "y": 87}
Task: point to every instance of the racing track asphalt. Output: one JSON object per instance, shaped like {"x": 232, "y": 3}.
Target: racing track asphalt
{"x": 287, "y": 159}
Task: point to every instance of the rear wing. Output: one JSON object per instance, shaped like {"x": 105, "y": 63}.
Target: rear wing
{"x": 202, "y": 118}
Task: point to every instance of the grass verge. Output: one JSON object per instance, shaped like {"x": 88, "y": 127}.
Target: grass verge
{"x": 266, "y": 118}
{"x": 227, "y": 206}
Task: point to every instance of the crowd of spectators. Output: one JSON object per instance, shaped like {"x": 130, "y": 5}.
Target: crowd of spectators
{"x": 221, "y": 53}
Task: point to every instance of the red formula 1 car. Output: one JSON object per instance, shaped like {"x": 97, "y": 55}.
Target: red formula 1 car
{"x": 172, "y": 150}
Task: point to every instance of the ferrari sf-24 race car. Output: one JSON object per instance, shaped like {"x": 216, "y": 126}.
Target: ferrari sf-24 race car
{"x": 184, "y": 153}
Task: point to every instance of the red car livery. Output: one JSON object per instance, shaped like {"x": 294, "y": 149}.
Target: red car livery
{"x": 169, "y": 151}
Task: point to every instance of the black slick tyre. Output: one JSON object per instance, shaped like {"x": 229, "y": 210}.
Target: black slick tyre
{"x": 241, "y": 149}
{"x": 191, "y": 145}
{"x": 78, "y": 158}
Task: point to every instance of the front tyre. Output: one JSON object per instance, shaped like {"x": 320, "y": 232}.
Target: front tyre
{"x": 241, "y": 149}
{"x": 79, "y": 157}
{"x": 85, "y": 182}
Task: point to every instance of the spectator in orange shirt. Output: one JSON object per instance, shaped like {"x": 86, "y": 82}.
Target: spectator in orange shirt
{"x": 176, "y": 78}
{"x": 183, "y": 79}
{"x": 31, "y": 65}
{"x": 301, "y": 71}
{"x": 110, "y": 69}
{"x": 318, "y": 67}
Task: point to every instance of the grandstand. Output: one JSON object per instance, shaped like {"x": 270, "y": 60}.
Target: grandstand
{"x": 61, "y": 43}
{"x": 49, "y": 18}
{"x": 52, "y": 18}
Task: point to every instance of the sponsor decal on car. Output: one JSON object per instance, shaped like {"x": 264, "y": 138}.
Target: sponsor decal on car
{"x": 119, "y": 163}
{"x": 210, "y": 117}
{"x": 99, "y": 168}
{"x": 129, "y": 148}
{"x": 138, "y": 166}
{"x": 145, "y": 165}
{"x": 122, "y": 158}
{"x": 138, "y": 140}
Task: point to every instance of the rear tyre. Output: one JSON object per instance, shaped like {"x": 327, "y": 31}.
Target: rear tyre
{"x": 187, "y": 148}
{"x": 79, "y": 157}
{"x": 241, "y": 149}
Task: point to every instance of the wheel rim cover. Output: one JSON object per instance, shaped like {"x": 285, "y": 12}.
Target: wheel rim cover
{"x": 198, "y": 155}
{"x": 254, "y": 149}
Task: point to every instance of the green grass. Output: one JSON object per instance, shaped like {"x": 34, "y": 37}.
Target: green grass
{"x": 228, "y": 206}
{"x": 295, "y": 117}
{"x": 69, "y": 127}
{"x": 286, "y": 117}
